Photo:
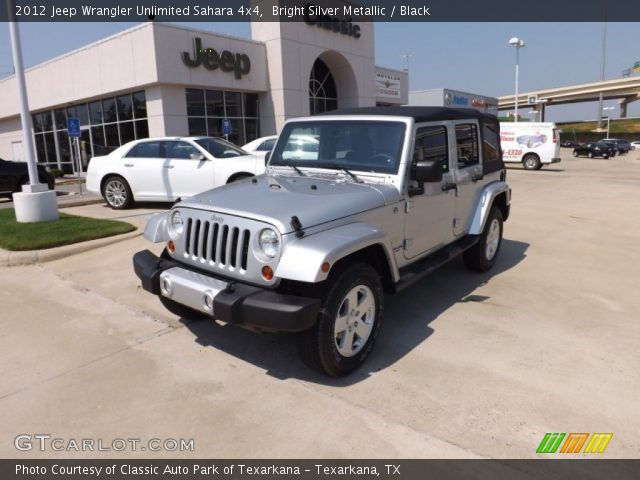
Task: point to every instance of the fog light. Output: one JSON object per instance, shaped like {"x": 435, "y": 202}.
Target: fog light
{"x": 267, "y": 273}
{"x": 171, "y": 246}
{"x": 165, "y": 287}
{"x": 207, "y": 302}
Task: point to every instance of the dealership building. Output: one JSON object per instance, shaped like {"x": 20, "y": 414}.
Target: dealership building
{"x": 163, "y": 80}
{"x": 446, "y": 97}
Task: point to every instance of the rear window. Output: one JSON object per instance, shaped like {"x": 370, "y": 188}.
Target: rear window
{"x": 146, "y": 150}
{"x": 267, "y": 145}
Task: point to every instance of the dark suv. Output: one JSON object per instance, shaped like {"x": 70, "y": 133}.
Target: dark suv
{"x": 622, "y": 146}
{"x": 596, "y": 149}
{"x": 15, "y": 174}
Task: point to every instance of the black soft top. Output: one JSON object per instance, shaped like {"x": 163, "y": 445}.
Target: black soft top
{"x": 419, "y": 114}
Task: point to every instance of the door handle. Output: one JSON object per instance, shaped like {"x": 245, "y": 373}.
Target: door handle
{"x": 169, "y": 166}
{"x": 128, "y": 164}
{"x": 449, "y": 186}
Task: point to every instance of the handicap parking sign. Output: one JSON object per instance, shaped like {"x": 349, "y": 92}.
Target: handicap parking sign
{"x": 73, "y": 126}
{"x": 226, "y": 126}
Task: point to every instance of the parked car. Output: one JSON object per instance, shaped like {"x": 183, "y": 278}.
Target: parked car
{"x": 261, "y": 146}
{"x": 312, "y": 246}
{"x": 299, "y": 146}
{"x": 635, "y": 144}
{"x": 569, "y": 144}
{"x": 13, "y": 175}
{"x": 622, "y": 146}
{"x": 595, "y": 149}
{"x": 165, "y": 169}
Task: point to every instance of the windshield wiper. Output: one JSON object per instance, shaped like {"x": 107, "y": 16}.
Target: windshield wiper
{"x": 298, "y": 171}
{"x": 351, "y": 174}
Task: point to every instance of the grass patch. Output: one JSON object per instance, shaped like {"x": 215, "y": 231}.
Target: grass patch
{"x": 66, "y": 231}
{"x": 630, "y": 125}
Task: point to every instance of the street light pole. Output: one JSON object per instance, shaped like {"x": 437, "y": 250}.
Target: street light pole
{"x": 608, "y": 118}
{"x": 407, "y": 58}
{"x": 518, "y": 43}
{"x": 602, "y": 64}
{"x": 25, "y": 117}
{"x": 36, "y": 203}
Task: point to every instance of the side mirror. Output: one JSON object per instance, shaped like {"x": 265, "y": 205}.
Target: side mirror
{"x": 427, "y": 171}
{"x": 267, "y": 157}
{"x": 197, "y": 156}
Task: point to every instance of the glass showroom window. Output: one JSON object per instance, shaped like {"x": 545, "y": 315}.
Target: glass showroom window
{"x": 206, "y": 110}
{"x": 323, "y": 94}
{"x": 105, "y": 124}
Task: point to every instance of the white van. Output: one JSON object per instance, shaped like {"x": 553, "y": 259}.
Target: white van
{"x": 532, "y": 144}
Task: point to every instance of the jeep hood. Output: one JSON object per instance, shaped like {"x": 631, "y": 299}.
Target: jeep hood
{"x": 276, "y": 198}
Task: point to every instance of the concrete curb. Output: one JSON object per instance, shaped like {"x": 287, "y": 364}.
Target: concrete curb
{"x": 78, "y": 202}
{"x": 31, "y": 257}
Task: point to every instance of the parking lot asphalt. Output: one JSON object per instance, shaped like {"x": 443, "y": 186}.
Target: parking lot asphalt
{"x": 467, "y": 365}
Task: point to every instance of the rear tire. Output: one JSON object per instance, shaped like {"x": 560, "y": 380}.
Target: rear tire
{"x": 483, "y": 254}
{"x": 575, "y": 153}
{"x": 348, "y": 322}
{"x": 531, "y": 162}
{"x": 117, "y": 193}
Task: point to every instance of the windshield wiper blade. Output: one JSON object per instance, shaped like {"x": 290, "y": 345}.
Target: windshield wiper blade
{"x": 298, "y": 171}
{"x": 351, "y": 174}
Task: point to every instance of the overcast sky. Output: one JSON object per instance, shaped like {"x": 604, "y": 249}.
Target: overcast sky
{"x": 473, "y": 57}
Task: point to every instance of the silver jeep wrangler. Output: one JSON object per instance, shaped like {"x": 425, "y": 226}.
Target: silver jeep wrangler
{"x": 353, "y": 204}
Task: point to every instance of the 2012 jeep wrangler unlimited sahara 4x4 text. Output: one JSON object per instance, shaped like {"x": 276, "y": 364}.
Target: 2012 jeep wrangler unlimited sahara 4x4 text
{"x": 353, "y": 204}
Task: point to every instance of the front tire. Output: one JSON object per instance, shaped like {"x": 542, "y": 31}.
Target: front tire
{"x": 531, "y": 162}
{"x": 483, "y": 254}
{"x": 348, "y": 322}
{"x": 117, "y": 193}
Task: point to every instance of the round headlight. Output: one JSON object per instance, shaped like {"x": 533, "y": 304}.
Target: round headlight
{"x": 177, "y": 224}
{"x": 269, "y": 242}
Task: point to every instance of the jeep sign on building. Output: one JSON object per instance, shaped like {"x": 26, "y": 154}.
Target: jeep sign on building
{"x": 162, "y": 80}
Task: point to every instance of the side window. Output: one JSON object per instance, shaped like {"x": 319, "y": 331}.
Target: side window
{"x": 132, "y": 153}
{"x": 267, "y": 145}
{"x": 431, "y": 144}
{"x": 148, "y": 150}
{"x": 490, "y": 142}
{"x": 180, "y": 150}
{"x": 467, "y": 145}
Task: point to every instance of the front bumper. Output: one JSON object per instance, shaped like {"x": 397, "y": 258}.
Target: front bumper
{"x": 232, "y": 302}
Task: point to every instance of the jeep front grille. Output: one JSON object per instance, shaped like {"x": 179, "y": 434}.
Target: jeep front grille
{"x": 217, "y": 243}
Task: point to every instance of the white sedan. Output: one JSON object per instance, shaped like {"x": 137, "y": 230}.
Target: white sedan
{"x": 299, "y": 147}
{"x": 261, "y": 146}
{"x": 165, "y": 169}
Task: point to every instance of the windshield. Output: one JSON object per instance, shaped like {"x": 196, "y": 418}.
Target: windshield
{"x": 366, "y": 146}
{"x": 220, "y": 148}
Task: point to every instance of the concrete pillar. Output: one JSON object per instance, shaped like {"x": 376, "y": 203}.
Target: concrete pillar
{"x": 623, "y": 102}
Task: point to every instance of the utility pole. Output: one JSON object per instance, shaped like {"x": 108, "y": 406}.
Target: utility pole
{"x": 602, "y": 64}
{"x": 36, "y": 203}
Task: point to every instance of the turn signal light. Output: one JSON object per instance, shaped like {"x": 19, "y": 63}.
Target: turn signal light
{"x": 326, "y": 266}
{"x": 267, "y": 273}
{"x": 171, "y": 246}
